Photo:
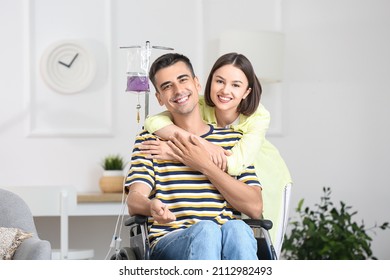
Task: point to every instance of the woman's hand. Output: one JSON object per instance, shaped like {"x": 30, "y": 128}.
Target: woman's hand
{"x": 191, "y": 151}
{"x": 156, "y": 149}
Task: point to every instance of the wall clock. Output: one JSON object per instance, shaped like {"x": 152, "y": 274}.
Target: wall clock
{"x": 68, "y": 66}
{"x": 70, "y": 61}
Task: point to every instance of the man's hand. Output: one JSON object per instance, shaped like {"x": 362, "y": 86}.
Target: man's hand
{"x": 160, "y": 212}
{"x": 190, "y": 151}
{"x": 217, "y": 153}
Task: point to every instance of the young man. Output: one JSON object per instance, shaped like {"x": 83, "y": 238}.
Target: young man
{"x": 192, "y": 203}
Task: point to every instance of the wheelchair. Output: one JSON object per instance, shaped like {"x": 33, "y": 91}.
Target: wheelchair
{"x": 268, "y": 246}
{"x": 139, "y": 248}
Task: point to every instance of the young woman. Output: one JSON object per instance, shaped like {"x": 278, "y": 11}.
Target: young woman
{"x": 232, "y": 99}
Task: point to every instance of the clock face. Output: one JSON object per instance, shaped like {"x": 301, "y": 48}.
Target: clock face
{"x": 68, "y": 67}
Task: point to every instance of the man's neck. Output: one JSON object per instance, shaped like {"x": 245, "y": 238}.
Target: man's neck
{"x": 192, "y": 123}
{"x": 198, "y": 129}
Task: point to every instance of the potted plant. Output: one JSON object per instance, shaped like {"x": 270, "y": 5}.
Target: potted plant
{"x": 328, "y": 233}
{"x": 112, "y": 177}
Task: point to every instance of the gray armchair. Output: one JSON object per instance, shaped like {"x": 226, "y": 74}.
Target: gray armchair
{"x": 14, "y": 213}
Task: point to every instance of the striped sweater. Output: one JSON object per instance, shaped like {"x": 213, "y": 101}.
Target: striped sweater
{"x": 186, "y": 192}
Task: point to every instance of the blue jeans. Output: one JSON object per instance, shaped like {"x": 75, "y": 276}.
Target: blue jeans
{"x": 207, "y": 240}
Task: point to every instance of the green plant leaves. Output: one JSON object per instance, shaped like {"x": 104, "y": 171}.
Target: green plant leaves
{"x": 328, "y": 233}
{"x": 113, "y": 162}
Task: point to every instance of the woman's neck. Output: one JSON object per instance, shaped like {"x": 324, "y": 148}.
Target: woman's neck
{"x": 225, "y": 118}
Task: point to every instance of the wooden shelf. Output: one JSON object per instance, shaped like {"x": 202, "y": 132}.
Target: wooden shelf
{"x": 94, "y": 197}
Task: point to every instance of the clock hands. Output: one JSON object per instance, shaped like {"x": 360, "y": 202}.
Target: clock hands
{"x": 70, "y": 64}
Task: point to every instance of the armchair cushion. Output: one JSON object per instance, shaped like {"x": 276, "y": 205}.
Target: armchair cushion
{"x": 10, "y": 240}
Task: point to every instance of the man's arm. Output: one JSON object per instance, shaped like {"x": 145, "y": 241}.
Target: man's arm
{"x": 244, "y": 198}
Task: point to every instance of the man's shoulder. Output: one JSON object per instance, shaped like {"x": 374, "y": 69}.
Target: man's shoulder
{"x": 144, "y": 135}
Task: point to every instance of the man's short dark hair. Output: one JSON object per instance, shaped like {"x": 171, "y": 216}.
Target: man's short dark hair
{"x": 165, "y": 61}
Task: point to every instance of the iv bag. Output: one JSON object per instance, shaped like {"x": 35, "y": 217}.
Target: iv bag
{"x": 137, "y": 69}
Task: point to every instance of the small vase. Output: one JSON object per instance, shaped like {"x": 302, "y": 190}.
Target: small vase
{"x": 111, "y": 181}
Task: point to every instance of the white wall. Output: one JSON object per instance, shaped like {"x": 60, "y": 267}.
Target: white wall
{"x": 335, "y": 99}
{"x": 337, "y": 70}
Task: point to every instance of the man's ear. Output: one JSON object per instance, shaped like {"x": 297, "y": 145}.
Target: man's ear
{"x": 159, "y": 99}
{"x": 197, "y": 83}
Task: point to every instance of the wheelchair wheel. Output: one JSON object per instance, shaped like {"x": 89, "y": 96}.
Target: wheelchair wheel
{"x": 125, "y": 253}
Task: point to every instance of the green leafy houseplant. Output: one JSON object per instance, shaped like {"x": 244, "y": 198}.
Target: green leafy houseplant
{"x": 328, "y": 233}
{"x": 113, "y": 162}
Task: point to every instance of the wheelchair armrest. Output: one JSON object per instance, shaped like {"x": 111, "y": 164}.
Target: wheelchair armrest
{"x": 266, "y": 224}
{"x": 138, "y": 219}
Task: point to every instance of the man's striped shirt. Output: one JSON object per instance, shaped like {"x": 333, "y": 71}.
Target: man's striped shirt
{"x": 186, "y": 192}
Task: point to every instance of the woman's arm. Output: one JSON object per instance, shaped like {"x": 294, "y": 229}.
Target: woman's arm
{"x": 247, "y": 149}
{"x": 158, "y": 122}
{"x": 162, "y": 125}
{"x": 243, "y": 154}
